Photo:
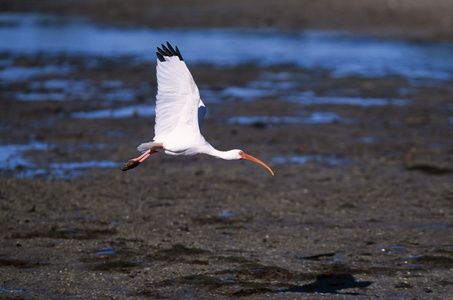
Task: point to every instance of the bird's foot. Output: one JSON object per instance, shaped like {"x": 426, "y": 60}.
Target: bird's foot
{"x": 130, "y": 165}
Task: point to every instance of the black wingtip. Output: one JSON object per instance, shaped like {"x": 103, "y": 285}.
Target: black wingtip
{"x": 162, "y": 52}
{"x": 178, "y": 53}
{"x": 170, "y": 48}
{"x": 168, "y": 51}
{"x": 160, "y": 57}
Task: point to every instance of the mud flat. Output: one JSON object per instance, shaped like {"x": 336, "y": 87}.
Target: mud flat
{"x": 360, "y": 205}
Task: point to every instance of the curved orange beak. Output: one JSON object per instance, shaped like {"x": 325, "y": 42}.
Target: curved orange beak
{"x": 254, "y": 159}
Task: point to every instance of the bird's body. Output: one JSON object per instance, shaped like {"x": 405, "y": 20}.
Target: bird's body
{"x": 179, "y": 113}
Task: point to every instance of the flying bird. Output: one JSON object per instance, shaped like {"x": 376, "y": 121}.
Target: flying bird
{"x": 179, "y": 113}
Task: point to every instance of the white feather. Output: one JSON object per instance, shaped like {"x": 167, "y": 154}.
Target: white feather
{"x": 146, "y": 146}
{"x": 179, "y": 111}
{"x": 177, "y": 100}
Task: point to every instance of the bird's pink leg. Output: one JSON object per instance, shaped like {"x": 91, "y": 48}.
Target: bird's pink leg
{"x": 147, "y": 154}
{"x": 143, "y": 157}
{"x": 132, "y": 163}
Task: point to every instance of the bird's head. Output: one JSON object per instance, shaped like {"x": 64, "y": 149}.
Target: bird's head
{"x": 239, "y": 154}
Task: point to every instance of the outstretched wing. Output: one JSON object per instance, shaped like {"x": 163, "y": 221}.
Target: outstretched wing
{"x": 178, "y": 100}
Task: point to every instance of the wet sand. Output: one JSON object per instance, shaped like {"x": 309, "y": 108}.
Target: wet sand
{"x": 368, "y": 216}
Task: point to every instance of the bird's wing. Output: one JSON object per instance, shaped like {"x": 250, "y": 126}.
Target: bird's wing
{"x": 178, "y": 100}
{"x": 201, "y": 113}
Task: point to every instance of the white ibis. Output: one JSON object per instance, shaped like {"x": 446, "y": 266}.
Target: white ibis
{"x": 179, "y": 113}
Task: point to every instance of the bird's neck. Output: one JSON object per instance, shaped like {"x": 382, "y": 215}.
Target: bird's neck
{"x": 209, "y": 150}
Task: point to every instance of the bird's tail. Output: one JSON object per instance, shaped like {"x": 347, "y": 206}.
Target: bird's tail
{"x": 146, "y": 146}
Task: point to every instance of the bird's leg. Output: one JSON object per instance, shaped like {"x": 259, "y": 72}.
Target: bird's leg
{"x": 132, "y": 163}
{"x": 146, "y": 154}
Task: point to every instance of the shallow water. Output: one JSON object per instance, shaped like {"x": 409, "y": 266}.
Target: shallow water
{"x": 313, "y": 118}
{"x": 11, "y": 155}
{"x": 122, "y": 112}
{"x": 358, "y": 101}
{"x": 341, "y": 53}
{"x": 225, "y": 215}
{"x": 330, "y": 160}
{"x": 10, "y": 290}
{"x": 106, "y": 251}
{"x": 69, "y": 89}
{"x": 59, "y": 170}
{"x": 13, "y": 162}
{"x": 84, "y": 165}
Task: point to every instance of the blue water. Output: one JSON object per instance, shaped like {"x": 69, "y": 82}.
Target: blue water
{"x": 106, "y": 251}
{"x": 313, "y": 118}
{"x": 330, "y": 160}
{"x": 122, "y": 112}
{"x": 7, "y": 289}
{"x": 10, "y": 155}
{"x": 341, "y": 53}
{"x": 14, "y": 73}
{"x": 355, "y": 101}
{"x": 59, "y": 170}
{"x": 12, "y": 162}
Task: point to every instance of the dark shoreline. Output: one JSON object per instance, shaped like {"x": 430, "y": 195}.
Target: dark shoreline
{"x": 399, "y": 19}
